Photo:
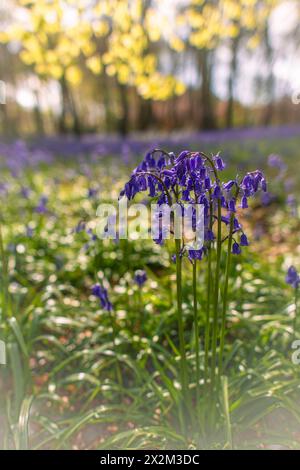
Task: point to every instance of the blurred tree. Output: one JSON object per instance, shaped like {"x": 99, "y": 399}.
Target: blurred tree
{"x": 127, "y": 64}
{"x": 110, "y": 36}
{"x": 212, "y": 23}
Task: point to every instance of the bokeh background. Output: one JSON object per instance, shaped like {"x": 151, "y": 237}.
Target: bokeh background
{"x": 87, "y": 89}
{"x": 122, "y": 66}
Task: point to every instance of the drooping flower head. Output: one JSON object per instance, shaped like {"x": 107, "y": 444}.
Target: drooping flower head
{"x": 292, "y": 277}
{"x": 101, "y": 293}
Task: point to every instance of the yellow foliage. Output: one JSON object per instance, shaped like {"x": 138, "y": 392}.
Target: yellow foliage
{"x": 115, "y": 37}
{"x": 74, "y": 75}
{"x": 94, "y": 64}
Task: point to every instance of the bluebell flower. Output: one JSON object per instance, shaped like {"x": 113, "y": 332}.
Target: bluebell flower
{"x": 229, "y": 185}
{"x": 140, "y": 277}
{"x": 41, "y": 208}
{"x": 236, "y": 250}
{"x": 244, "y": 203}
{"x": 80, "y": 226}
{"x": 196, "y": 254}
{"x": 244, "y": 240}
{"x": 217, "y": 192}
{"x": 92, "y": 193}
{"x": 292, "y": 277}
{"x": 101, "y": 293}
{"x": 220, "y": 165}
{"x": 209, "y": 235}
{"x": 231, "y": 205}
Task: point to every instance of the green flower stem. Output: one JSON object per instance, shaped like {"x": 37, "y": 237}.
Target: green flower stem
{"x": 225, "y": 294}
{"x": 183, "y": 361}
{"x": 114, "y": 336}
{"x": 5, "y": 297}
{"x": 296, "y": 312}
{"x": 209, "y": 290}
{"x": 207, "y": 320}
{"x": 196, "y": 326}
{"x": 216, "y": 297}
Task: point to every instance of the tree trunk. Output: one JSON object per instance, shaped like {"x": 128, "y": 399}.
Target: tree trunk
{"x": 145, "y": 114}
{"x": 207, "y": 120}
{"x": 39, "y": 122}
{"x": 123, "y": 125}
{"x": 5, "y": 128}
{"x": 229, "y": 118}
{"x": 270, "y": 82}
{"x": 62, "y": 123}
{"x": 68, "y": 109}
{"x": 75, "y": 117}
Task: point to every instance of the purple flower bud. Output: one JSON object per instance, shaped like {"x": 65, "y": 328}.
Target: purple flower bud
{"x": 199, "y": 162}
{"x": 247, "y": 182}
{"x": 292, "y": 277}
{"x": 140, "y": 277}
{"x": 92, "y": 192}
{"x": 181, "y": 156}
{"x": 231, "y": 205}
{"x": 168, "y": 173}
{"x": 229, "y": 185}
{"x": 209, "y": 236}
{"x": 203, "y": 173}
{"x": 236, "y": 224}
{"x": 186, "y": 195}
{"x": 244, "y": 240}
{"x": 223, "y": 202}
{"x": 225, "y": 219}
{"x": 220, "y": 165}
{"x": 207, "y": 183}
{"x": 161, "y": 162}
{"x": 196, "y": 254}
{"x": 101, "y": 293}
{"x": 244, "y": 202}
{"x": 236, "y": 250}
{"x": 217, "y": 192}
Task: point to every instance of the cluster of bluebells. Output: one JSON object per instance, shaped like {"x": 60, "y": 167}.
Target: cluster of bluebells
{"x": 275, "y": 162}
{"x": 292, "y": 277}
{"x": 101, "y": 293}
{"x": 193, "y": 178}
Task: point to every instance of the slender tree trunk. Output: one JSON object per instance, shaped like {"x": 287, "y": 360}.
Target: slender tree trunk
{"x": 145, "y": 114}
{"x": 123, "y": 126}
{"x": 229, "y": 118}
{"x": 207, "y": 120}
{"x": 107, "y": 102}
{"x": 5, "y": 128}
{"x": 270, "y": 82}
{"x": 68, "y": 108}
{"x": 75, "y": 117}
{"x": 62, "y": 123}
{"x": 39, "y": 122}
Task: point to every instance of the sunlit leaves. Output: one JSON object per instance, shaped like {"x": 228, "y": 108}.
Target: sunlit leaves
{"x": 211, "y": 22}
{"x": 114, "y": 37}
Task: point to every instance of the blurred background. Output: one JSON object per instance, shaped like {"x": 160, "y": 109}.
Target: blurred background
{"x": 129, "y": 66}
